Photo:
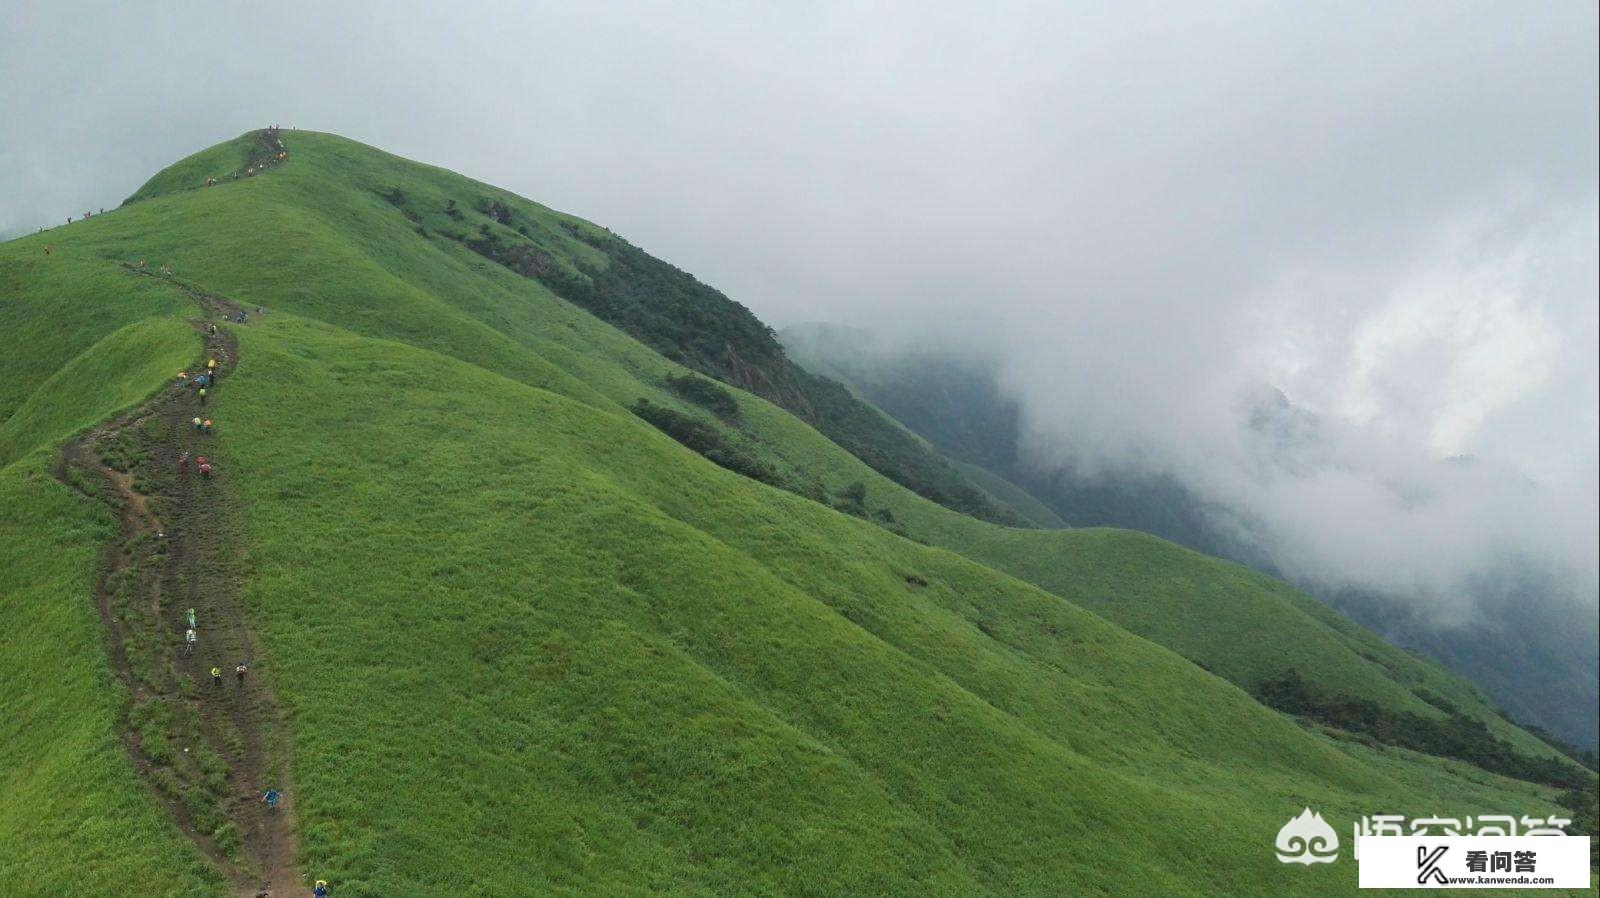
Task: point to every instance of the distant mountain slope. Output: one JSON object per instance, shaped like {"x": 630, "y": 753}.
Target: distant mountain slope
{"x": 959, "y": 406}
{"x": 526, "y": 639}
{"x": 1018, "y": 499}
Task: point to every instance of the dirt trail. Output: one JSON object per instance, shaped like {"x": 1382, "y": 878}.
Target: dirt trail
{"x": 208, "y": 751}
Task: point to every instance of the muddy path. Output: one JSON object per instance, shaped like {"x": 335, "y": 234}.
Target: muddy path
{"x": 208, "y": 747}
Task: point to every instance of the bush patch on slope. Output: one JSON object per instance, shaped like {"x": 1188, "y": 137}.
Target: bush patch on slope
{"x": 1455, "y": 736}
{"x": 707, "y": 440}
{"x": 707, "y": 395}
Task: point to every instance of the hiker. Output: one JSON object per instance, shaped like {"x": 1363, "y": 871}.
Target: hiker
{"x": 211, "y": 365}
{"x": 321, "y": 889}
{"x": 205, "y": 469}
{"x": 239, "y": 671}
{"x": 183, "y": 378}
{"x": 205, "y": 427}
{"x": 196, "y": 423}
{"x": 188, "y": 641}
{"x": 141, "y": 265}
{"x": 202, "y": 394}
{"x": 271, "y": 797}
{"x": 183, "y": 461}
{"x": 189, "y": 615}
{"x": 202, "y": 380}
{"x": 216, "y": 676}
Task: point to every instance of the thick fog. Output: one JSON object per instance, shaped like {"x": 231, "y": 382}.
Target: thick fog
{"x": 1153, "y": 213}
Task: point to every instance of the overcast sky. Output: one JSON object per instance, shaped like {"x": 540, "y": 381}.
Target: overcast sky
{"x": 1388, "y": 211}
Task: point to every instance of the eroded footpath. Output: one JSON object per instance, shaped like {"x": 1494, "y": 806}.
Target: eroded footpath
{"x": 208, "y": 750}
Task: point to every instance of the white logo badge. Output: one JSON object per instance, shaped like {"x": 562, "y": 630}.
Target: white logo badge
{"x": 1307, "y": 839}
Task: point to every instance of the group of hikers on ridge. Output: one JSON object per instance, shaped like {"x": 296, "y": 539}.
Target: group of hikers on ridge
{"x": 202, "y": 382}
{"x": 275, "y": 154}
{"x": 202, "y": 426}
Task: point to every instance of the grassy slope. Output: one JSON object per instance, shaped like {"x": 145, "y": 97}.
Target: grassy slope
{"x": 74, "y": 818}
{"x": 662, "y": 675}
{"x": 679, "y": 679}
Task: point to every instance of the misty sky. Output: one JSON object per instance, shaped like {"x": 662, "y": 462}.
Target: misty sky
{"x": 1147, "y": 210}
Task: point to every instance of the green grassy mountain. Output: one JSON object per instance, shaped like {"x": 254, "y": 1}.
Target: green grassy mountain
{"x": 533, "y": 606}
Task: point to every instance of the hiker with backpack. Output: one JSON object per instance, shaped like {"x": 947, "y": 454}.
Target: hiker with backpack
{"x": 216, "y": 676}
{"x": 239, "y": 671}
{"x": 271, "y": 797}
{"x": 188, "y": 641}
{"x": 189, "y": 615}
